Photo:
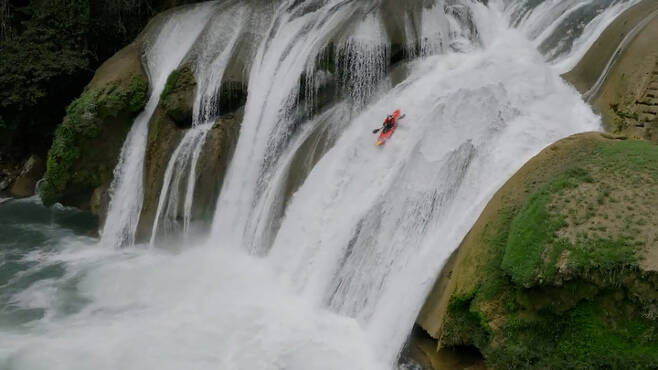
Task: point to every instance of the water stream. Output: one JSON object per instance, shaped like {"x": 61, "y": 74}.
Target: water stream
{"x": 323, "y": 246}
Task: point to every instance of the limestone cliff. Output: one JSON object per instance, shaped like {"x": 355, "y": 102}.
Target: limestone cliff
{"x": 561, "y": 268}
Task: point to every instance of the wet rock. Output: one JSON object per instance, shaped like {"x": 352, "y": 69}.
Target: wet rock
{"x": 163, "y": 138}
{"x": 177, "y": 99}
{"x": 25, "y": 183}
{"x": 213, "y": 163}
{"x": 87, "y": 144}
{"x": 4, "y": 184}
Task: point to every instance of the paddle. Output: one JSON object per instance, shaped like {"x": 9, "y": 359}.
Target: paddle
{"x": 379, "y": 129}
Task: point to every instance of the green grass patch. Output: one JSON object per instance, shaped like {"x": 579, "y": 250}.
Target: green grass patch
{"x": 534, "y": 228}
{"x": 630, "y": 156}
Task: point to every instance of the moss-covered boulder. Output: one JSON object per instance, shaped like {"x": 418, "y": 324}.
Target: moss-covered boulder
{"x": 561, "y": 269}
{"x": 177, "y": 99}
{"x": 87, "y": 143}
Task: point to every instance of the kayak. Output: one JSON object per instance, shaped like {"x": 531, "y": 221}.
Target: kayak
{"x": 385, "y": 135}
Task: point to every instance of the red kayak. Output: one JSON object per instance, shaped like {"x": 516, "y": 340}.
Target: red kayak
{"x": 385, "y": 135}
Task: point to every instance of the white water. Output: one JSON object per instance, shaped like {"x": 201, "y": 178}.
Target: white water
{"x": 559, "y": 28}
{"x": 170, "y": 45}
{"x": 338, "y": 285}
{"x": 217, "y": 44}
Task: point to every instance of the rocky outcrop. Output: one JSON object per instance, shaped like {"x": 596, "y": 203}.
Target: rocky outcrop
{"x": 25, "y": 183}
{"x": 87, "y": 144}
{"x": 213, "y": 163}
{"x": 622, "y": 84}
{"x": 628, "y": 101}
{"x": 169, "y": 124}
{"x": 177, "y": 98}
{"x": 561, "y": 268}
{"x": 164, "y": 135}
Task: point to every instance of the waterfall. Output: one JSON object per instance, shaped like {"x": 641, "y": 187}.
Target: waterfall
{"x": 564, "y": 30}
{"x": 323, "y": 246}
{"x": 217, "y": 46}
{"x": 171, "y": 42}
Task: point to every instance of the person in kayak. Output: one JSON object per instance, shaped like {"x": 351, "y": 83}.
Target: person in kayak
{"x": 389, "y": 122}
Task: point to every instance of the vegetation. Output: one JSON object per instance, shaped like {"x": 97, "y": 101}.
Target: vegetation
{"x": 49, "y": 50}
{"x": 84, "y": 121}
{"x": 562, "y": 285}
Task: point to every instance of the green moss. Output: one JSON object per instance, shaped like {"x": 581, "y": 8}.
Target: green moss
{"x": 590, "y": 341}
{"x": 629, "y": 156}
{"x": 177, "y": 96}
{"x": 534, "y": 228}
{"x": 466, "y": 324}
{"x": 83, "y": 121}
{"x": 172, "y": 82}
{"x": 548, "y": 301}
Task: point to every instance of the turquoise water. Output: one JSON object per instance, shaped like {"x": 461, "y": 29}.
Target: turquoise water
{"x": 29, "y": 233}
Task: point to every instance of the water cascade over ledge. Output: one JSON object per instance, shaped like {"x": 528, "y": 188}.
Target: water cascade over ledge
{"x": 322, "y": 246}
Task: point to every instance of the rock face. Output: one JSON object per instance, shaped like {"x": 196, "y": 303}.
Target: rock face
{"x": 628, "y": 98}
{"x": 169, "y": 124}
{"x": 87, "y": 144}
{"x": 25, "y": 183}
{"x": 177, "y": 99}
{"x": 561, "y": 269}
{"x": 628, "y": 101}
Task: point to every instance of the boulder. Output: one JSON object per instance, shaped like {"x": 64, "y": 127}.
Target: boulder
{"x": 26, "y": 182}
{"x": 88, "y": 142}
{"x": 561, "y": 268}
{"x": 177, "y": 99}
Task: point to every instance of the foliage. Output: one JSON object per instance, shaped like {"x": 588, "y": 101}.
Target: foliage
{"x": 83, "y": 121}
{"x": 43, "y": 65}
{"x": 48, "y": 52}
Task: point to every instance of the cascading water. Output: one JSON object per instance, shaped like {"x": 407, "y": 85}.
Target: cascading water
{"x": 323, "y": 246}
{"x": 171, "y": 42}
{"x": 564, "y": 30}
{"x": 217, "y": 46}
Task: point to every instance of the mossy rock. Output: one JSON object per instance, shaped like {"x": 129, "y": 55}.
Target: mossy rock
{"x": 177, "y": 99}
{"x": 164, "y": 137}
{"x": 87, "y": 143}
{"x": 561, "y": 269}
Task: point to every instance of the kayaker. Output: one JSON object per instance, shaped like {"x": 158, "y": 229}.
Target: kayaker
{"x": 389, "y": 122}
